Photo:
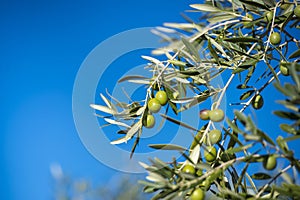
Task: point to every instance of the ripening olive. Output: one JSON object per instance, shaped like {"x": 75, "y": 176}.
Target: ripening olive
{"x": 150, "y": 121}
{"x": 275, "y": 38}
{"x": 216, "y": 115}
{"x": 198, "y": 194}
{"x": 161, "y": 96}
{"x": 154, "y": 105}
{"x": 214, "y": 136}
{"x": 270, "y": 162}
{"x": 204, "y": 114}
{"x": 297, "y": 11}
{"x": 189, "y": 169}
{"x": 257, "y": 102}
{"x": 210, "y": 153}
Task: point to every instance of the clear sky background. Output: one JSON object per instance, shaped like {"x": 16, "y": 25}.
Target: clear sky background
{"x": 42, "y": 46}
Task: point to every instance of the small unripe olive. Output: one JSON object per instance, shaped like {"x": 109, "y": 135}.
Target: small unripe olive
{"x": 204, "y": 114}
{"x": 150, "y": 121}
{"x": 275, "y": 38}
{"x": 189, "y": 169}
{"x": 270, "y": 162}
{"x": 199, "y": 172}
{"x": 210, "y": 153}
{"x": 214, "y": 136}
{"x": 269, "y": 16}
{"x": 297, "y": 11}
{"x": 216, "y": 115}
{"x": 154, "y": 105}
{"x": 161, "y": 96}
{"x": 284, "y": 70}
{"x": 198, "y": 194}
{"x": 257, "y": 102}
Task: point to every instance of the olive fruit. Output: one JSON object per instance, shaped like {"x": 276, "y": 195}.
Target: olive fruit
{"x": 198, "y": 194}
{"x": 204, "y": 114}
{"x": 275, "y": 38}
{"x": 297, "y": 11}
{"x": 284, "y": 70}
{"x": 161, "y": 96}
{"x": 154, "y": 105}
{"x": 199, "y": 172}
{"x": 248, "y": 23}
{"x": 269, "y": 16}
{"x": 257, "y": 102}
{"x": 210, "y": 153}
{"x": 270, "y": 162}
{"x": 216, "y": 115}
{"x": 189, "y": 169}
{"x": 214, "y": 136}
{"x": 150, "y": 121}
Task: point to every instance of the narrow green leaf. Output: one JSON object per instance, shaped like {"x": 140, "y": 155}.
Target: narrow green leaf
{"x": 287, "y": 128}
{"x": 282, "y": 144}
{"x": 167, "y": 147}
{"x": 178, "y": 122}
{"x": 192, "y": 49}
{"x": 238, "y": 149}
{"x": 287, "y": 115}
{"x": 103, "y": 109}
{"x": 246, "y": 95}
{"x": 242, "y": 39}
{"x": 295, "y": 54}
{"x": 131, "y": 77}
{"x": 205, "y": 7}
{"x": 261, "y": 176}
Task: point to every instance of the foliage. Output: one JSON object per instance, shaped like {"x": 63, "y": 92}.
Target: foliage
{"x": 232, "y": 37}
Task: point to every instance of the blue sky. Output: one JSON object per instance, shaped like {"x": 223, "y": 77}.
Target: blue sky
{"x": 43, "y": 44}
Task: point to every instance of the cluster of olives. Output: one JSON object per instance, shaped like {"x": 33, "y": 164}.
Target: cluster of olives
{"x": 198, "y": 193}
{"x": 215, "y": 115}
{"x": 154, "y": 105}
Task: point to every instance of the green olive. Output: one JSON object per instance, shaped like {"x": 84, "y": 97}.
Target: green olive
{"x": 150, "y": 121}
{"x": 189, "y": 169}
{"x": 270, "y": 162}
{"x": 257, "y": 102}
{"x": 210, "y": 154}
{"x": 154, "y": 105}
{"x": 161, "y": 96}
{"x": 198, "y": 194}
{"x": 214, "y": 136}
{"x": 269, "y": 16}
{"x": 284, "y": 70}
{"x": 199, "y": 172}
{"x": 275, "y": 38}
{"x": 216, "y": 115}
{"x": 204, "y": 114}
{"x": 297, "y": 11}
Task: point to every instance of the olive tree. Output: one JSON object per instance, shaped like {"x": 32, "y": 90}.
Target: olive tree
{"x": 254, "y": 43}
